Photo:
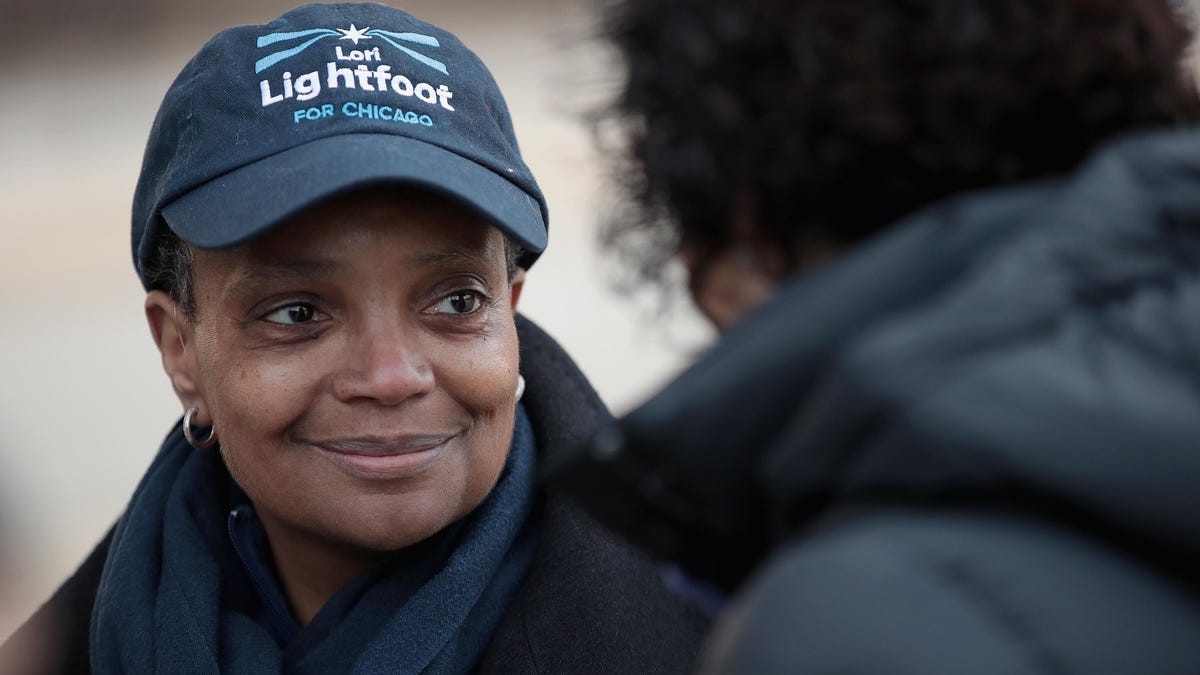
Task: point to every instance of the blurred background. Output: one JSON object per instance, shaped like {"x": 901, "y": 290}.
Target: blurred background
{"x": 84, "y": 403}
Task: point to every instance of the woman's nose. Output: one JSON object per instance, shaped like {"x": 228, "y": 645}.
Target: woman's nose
{"x": 384, "y": 365}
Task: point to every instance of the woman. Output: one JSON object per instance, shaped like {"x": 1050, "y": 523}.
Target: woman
{"x": 951, "y": 423}
{"x": 332, "y": 224}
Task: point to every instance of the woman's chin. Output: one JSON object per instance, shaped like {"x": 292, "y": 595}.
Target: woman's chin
{"x": 390, "y": 541}
{"x": 398, "y": 529}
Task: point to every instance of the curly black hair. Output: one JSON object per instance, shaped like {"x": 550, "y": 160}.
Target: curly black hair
{"x": 826, "y": 120}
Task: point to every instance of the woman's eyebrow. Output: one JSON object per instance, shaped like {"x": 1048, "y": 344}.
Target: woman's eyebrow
{"x": 276, "y": 270}
{"x": 288, "y": 269}
{"x": 450, "y": 257}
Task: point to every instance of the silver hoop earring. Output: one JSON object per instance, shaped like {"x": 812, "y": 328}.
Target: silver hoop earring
{"x": 520, "y": 386}
{"x": 204, "y": 444}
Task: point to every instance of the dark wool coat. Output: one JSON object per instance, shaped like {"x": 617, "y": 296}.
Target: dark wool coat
{"x": 971, "y": 445}
{"x": 590, "y": 603}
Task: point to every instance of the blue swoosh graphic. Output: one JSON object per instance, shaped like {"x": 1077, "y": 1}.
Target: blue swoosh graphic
{"x": 268, "y": 61}
{"x": 280, "y": 37}
{"x": 427, "y": 40}
{"x": 432, "y": 63}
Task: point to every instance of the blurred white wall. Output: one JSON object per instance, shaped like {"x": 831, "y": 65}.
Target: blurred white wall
{"x": 84, "y": 404}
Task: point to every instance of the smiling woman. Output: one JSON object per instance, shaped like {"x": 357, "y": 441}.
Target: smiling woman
{"x": 351, "y": 487}
{"x": 366, "y": 350}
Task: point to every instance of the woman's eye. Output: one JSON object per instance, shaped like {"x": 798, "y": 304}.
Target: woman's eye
{"x": 459, "y": 302}
{"x": 292, "y": 314}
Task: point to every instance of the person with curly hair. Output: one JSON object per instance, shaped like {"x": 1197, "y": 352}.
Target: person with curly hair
{"x": 952, "y": 248}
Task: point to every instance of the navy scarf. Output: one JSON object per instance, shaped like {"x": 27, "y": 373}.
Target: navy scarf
{"x": 164, "y": 603}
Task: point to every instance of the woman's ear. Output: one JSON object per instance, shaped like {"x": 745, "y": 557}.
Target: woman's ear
{"x": 174, "y": 335}
{"x": 518, "y": 282}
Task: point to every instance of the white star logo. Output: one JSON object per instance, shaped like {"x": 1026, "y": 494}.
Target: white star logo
{"x": 354, "y": 34}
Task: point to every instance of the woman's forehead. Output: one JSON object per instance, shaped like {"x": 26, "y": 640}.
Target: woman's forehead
{"x": 380, "y": 211}
{"x": 409, "y": 228}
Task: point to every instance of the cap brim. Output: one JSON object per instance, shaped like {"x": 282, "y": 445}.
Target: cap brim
{"x": 247, "y": 202}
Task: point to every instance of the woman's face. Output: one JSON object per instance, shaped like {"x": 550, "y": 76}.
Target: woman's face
{"x": 360, "y": 366}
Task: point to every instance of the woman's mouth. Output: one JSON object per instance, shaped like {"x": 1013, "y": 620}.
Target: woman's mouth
{"x": 385, "y": 458}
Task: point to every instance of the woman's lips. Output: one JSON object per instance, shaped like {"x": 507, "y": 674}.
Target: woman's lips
{"x": 380, "y": 458}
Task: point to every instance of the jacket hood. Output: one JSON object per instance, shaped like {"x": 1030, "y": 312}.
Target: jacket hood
{"x": 1031, "y": 347}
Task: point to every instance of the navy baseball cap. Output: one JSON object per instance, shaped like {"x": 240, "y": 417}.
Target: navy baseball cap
{"x": 268, "y": 120}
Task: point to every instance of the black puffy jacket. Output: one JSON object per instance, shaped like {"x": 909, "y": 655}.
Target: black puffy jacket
{"x": 971, "y": 445}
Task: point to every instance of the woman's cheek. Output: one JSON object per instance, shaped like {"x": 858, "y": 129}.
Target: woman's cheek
{"x": 488, "y": 377}
{"x": 259, "y": 395}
